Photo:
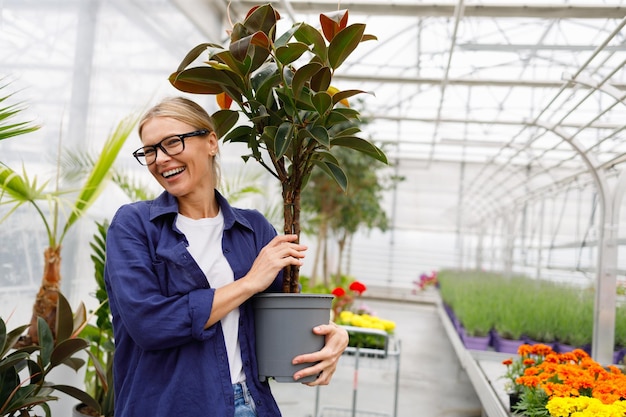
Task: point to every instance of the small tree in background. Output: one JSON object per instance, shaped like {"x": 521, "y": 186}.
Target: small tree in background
{"x": 341, "y": 214}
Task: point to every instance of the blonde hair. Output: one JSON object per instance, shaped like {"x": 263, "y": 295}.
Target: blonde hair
{"x": 186, "y": 111}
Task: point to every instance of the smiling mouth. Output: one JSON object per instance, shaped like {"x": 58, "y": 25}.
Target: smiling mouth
{"x": 172, "y": 172}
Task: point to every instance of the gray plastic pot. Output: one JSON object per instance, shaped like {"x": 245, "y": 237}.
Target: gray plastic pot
{"x": 284, "y": 329}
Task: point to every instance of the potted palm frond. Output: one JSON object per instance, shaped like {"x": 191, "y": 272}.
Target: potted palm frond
{"x": 293, "y": 117}
{"x": 50, "y": 205}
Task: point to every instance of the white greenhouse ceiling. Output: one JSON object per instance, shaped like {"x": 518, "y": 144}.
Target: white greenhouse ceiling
{"x": 518, "y": 96}
{"x": 529, "y": 93}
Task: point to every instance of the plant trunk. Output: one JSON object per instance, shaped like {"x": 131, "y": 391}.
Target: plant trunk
{"x": 320, "y": 252}
{"x": 291, "y": 208}
{"x": 316, "y": 258}
{"x": 47, "y": 298}
{"x": 325, "y": 269}
{"x": 342, "y": 245}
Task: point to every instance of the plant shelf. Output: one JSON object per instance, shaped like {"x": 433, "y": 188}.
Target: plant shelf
{"x": 387, "y": 357}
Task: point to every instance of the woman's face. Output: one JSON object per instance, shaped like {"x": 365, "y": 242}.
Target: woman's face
{"x": 190, "y": 171}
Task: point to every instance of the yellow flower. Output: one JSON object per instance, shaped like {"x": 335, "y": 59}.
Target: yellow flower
{"x": 346, "y": 315}
{"x": 584, "y": 407}
{"x": 389, "y": 325}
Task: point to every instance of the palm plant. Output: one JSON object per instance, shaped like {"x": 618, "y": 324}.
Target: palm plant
{"x": 8, "y": 113}
{"x": 17, "y": 190}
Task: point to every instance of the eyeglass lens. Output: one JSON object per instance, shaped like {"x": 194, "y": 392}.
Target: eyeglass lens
{"x": 171, "y": 146}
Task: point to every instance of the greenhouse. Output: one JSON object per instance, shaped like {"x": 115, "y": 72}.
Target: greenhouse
{"x": 480, "y": 194}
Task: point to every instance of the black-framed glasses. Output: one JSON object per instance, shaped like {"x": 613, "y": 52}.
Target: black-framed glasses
{"x": 171, "y": 145}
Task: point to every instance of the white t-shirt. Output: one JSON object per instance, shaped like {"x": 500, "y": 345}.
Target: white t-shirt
{"x": 205, "y": 246}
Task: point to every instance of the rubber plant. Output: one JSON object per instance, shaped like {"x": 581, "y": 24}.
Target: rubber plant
{"x": 282, "y": 85}
{"x": 24, "y": 372}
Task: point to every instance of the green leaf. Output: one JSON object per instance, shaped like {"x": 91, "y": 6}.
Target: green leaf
{"x": 7, "y": 340}
{"x": 207, "y": 80}
{"x": 242, "y": 134}
{"x": 325, "y": 155}
{"x": 64, "y": 320}
{"x": 253, "y": 50}
{"x": 263, "y": 19}
{"x": 283, "y": 40}
{"x": 264, "y": 85}
{"x": 66, "y": 349}
{"x": 193, "y": 54}
{"x": 101, "y": 170}
{"x": 261, "y": 76}
{"x": 74, "y": 363}
{"x": 321, "y": 80}
{"x": 290, "y": 52}
{"x": 190, "y": 82}
{"x": 323, "y": 103}
{"x": 302, "y": 77}
{"x": 268, "y": 137}
{"x": 335, "y": 172}
{"x": 8, "y": 130}
{"x": 283, "y": 139}
{"x": 361, "y": 145}
{"x": 223, "y": 121}
{"x": 18, "y": 187}
{"x": 341, "y": 115}
{"x": 340, "y": 95}
{"x": 80, "y": 395}
{"x": 13, "y": 359}
{"x": 305, "y": 102}
{"x": 225, "y": 56}
{"x": 344, "y": 43}
{"x": 46, "y": 341}
{"x": 285, "y": 95}
{"x": 320, "y": 134}
{"x": 350, "y": 131}
{"x": 311, "y": 36}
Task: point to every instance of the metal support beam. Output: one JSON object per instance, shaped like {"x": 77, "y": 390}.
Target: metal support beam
{"x": 604, "y": 310}
{"x": 382, "y": 8}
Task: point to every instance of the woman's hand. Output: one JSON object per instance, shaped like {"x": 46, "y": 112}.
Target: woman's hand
{"x": 274, "y": 257}
{"x": 278, "y": 253}
{"x": 336, "y": 341}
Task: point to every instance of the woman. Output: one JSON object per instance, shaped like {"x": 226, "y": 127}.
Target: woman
{"x": 179, "y": 272}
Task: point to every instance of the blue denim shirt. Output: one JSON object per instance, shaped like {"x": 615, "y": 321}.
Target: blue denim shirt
{"x": 166, "y": 364}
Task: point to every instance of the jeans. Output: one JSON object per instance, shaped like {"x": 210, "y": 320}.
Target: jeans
{"x": 244, "y": 404}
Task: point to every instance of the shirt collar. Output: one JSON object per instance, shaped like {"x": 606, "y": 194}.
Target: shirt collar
{"x": 166, "y": 204}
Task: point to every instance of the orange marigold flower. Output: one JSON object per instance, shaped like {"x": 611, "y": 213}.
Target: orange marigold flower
{"x": 528, "y": 380}
{"x": 524, "y": 350}
{"x": 541, "y": 349}
{"x": 552, "y": 358}
{"x": 528, "y": 361}
{"x": 615, "y": 370}
{"x": 581, "y": 354}
{"x": 507, "y": 362}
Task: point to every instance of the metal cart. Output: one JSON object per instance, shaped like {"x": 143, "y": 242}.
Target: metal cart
{"x": 384, "y": 358}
